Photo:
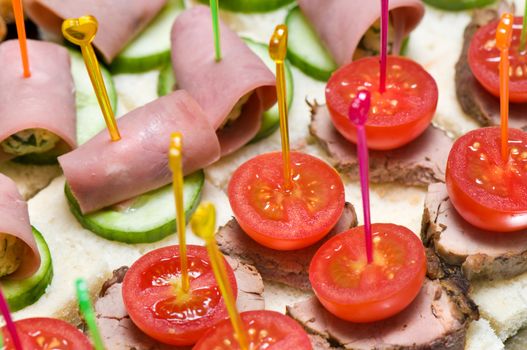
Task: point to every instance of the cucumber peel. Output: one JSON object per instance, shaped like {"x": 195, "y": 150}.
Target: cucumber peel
{"x": 458, "y": 5}
{"x": 150, "y": 218}
{"x": 270, "y": 118}
{"x": 22, "y": 293}
{"x": 249, "y": 6}
{"x": 151, "y": 49}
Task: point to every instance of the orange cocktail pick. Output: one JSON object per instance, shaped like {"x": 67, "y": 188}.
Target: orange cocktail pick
{"x": 18, "y": 10}
{"x": 81, "y": 31}
{"x": 203, "y": 224}
{"x": 278, "y": 52}
{"x": 175, "y": 154}
{"x": 503, "y": 43}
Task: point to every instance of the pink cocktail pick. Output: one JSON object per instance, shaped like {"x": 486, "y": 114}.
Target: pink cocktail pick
{"x": 384, "y": 44}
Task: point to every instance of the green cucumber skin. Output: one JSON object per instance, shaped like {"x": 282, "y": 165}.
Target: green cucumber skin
{"x": 250, "y": 6}
{"x": 20, "y": 294}
{"x": 123, "y": 64}
{"x": 166, "y": 82}
{"x": 458, "y": 5}
{"x": 149, "y": 236}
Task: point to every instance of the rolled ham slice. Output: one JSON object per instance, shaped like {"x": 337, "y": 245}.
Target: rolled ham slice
{"x": 341, "y": 24}
{"x": 218, "y": 86}
{"x": 46, "y": 100}
{"x": 101, "y": 172}
{"x": 119, "y": 20}
{"x": 14, "y": 220}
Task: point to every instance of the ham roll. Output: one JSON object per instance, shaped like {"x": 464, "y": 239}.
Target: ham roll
{"x": 101, "y": 173}
{"x": 119, "y": 20}
{"x": 342, "y": 24}
{"x": 37, "y": 114}
{"x": 19, "y": 256}
{"x": 234, "y": 92}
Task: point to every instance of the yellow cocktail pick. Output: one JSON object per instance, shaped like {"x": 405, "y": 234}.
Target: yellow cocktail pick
{"x": 175, "y": 161}
{"x": 81, "y": 31}
{"x": 278, "y": 52}
{"x": 203, "y": 224}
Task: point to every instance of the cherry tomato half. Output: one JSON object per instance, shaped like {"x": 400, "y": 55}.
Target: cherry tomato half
{"x": 397, "y": 116}
{"x": 286, "y": 219}
{"x": 265, "y": 329}
{"x": 484, "y": 60}
{"x": 486, "y": 192}
{"x": 45, "y": 334}
{"x": 356, "y": 291}
{"x": 156, "y": 304}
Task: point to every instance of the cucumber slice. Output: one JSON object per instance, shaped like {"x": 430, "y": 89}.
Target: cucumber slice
{"x": 271, "y": 118}
{"x": 305, "y": 50}
{"x": 151, "y": 49}
{"x": 89, "y": 116}
{"x": 249, "y": 6}
{"x": 20, "y": 294}
{"x": 150, "y": 219}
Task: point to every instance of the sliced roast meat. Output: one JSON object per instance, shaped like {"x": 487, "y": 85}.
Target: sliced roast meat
{"x": 421, "y": 162}
{"x": 101, "y": 173}
{"x": 119, "y": 332}
{"x": 475, "y": 101}
{"x": 46, "y": 100}
{"x": 342, "y": 36}
{"x": 220, "y": 86}
{"x": 21, "y": 254}
{"x": 119, "y": 20}
{"x": 291, "y": 267}
{"x": 432, "y": 321}
{"x": 481, "y": 254}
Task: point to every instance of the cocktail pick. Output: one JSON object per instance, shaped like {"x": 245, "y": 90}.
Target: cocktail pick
{"x": 278, "y": 52}
{"x": 203, "y": 224}
{"x": 18, "y": 10}
{"x": 214, "y": 11}
{"x": 81, "y": 31}
{"x": 523, "y": 37}
{"x": 358, "y": 115}
{"x": 384, "y": 45}
{"x": 87, "y": 312}
{"x": 11, "y": 328}
{"x": 503, "y": 43}
{"x": 175, "y": 161}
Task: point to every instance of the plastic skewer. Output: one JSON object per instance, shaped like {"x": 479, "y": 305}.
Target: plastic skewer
{"x": 278, "y": 53}
{"x": 18, "y": 10}
{"x": 81, "y": 31}
{"x": 358, "y": 115}
{"x": 203, "y": 224}
{"x": 503, "y": 43}
{"x": 175, "y": 162}
{"x": 214, "y": 11}
{"x": 523, "y": 37}
{"x": 10, "y": 325}
{"x": 86, "y": 309}
{"x": 384, "y": 45}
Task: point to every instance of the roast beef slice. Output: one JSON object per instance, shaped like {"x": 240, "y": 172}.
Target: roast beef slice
{"x": 475, "y": 101}
{"x": 481, "y": 254}
{"x": 430, "y": 322}
{"x": 419, "y": 163}
{"x": 119, "y": 332}
{"x": 291, "y": 267}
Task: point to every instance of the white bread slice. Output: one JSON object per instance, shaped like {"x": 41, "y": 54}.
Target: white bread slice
{"x": 518, "y": 342}
{"x": 480, "y": 335}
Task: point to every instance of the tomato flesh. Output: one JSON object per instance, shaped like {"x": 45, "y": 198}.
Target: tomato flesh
{"x": 397, "y": 116}
{"x": 356, "y": 291}
{"x": 265, "y": 330}
{"x": 484, "y": 60}
{"x": 485, "y": 191}
{"x": 46, "y": 334}
{"x": 285, "y": 219}
{"x": 156, "y": 304}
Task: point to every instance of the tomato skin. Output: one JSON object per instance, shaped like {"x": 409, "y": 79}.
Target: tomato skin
{"x": 372, "y": 296}
{"x": 393, "y": 125}
{"x": 294, "y": 226}
{"x": 138, "y": 301}
{"x": 283, "y": 328}
{"x": 29, "y": 330}
{"x": 505, "y": 212}
{"x": 484, "y": 61}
